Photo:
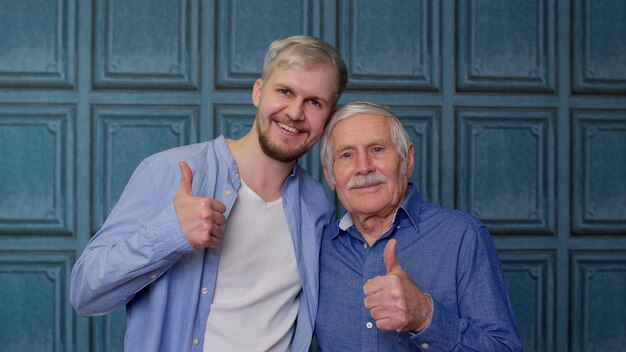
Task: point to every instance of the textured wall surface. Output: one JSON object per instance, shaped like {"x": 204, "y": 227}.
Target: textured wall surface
{"x": 517, "y": 110}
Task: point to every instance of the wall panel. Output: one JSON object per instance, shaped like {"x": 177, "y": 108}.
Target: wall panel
{"x": 124, "y": 136}
{"x": 37, "y": 144}
{"x": 506, "y": 168}
{"x": 146, "y": 44}
{"x": 599, "y": 159}
{"x": 36, "y": 315}
{"x": 404, "y": 56}
{"x": 506, "y": 45}
{"x": 38, "y": 44}
{"x": 599, "y": 47}
{"x": 598, "y": 302}
{"x": 530, "y": 280}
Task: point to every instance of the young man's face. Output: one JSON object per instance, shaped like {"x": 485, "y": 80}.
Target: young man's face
{"x": 367, "y": 166}
{"x": 293, "y": 105}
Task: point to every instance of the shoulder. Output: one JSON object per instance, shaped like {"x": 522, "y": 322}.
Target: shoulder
{"x": 197, "y": 153}
{"x": 312, "y": 194}
{"x": 450, "y": 222}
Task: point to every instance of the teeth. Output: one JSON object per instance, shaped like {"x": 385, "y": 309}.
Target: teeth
{"x": 288, "y": 128}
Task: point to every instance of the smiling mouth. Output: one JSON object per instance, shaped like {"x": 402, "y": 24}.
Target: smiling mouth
{"x": 288, "y": 128}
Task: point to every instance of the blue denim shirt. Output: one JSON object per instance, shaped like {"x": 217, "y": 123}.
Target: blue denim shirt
{"x": 448, "y": 255}
{"x": 141, "y": 258}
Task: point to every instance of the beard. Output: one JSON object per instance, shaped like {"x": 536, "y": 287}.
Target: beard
{"x": 275, "y": 152}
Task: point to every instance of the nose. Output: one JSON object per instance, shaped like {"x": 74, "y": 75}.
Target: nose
{"x": 295, "y": 109}
{"x": 364, "y": 164}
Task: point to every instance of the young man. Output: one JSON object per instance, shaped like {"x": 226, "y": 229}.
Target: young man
{"x": 443, "y": 292}
{"x": 213, "y": 246}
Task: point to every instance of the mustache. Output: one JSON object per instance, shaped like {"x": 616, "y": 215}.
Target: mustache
{"x": 362, "y": 181}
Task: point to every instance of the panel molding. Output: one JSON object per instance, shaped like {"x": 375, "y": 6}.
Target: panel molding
{"x": 599, "y": 49}
{"x": 503, "y": 69}
{"x": 37, "y": 194}
{"x": 409, "y": 60}
{"x": 153, "y": 63}
{"x": 599, "y": 162}
{"x": 598, "y": 284}
{"x": 38, "y": 44}
{"x": 491, "y": 185}
{"x": 34, "y": 293}
{"x": 160, "y": 128}
{"x": 530, "y": 280}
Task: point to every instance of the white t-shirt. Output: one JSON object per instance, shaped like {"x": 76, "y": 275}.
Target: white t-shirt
{"x": 256, "y": 297}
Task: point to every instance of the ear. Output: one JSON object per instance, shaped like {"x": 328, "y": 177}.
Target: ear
{"x": 256, "y": 92}
{"x": 410, "y": 160}
{"x": 330, "y": 184}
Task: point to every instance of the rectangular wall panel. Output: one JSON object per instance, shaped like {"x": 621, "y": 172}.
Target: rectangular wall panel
{"x": 36, "y": 315}
{"x": 405, "y": 55}
{"x": 506, "y": 168}
{"x": 530, "y": 281}
{"x": 123, "y": 137}
{"x": 599, "y": 161}
{"x": 506, "y": 45}
{"x": 599, "y": 47}
{"x": 598, "y": 301}
{"x": 38, "y": 43}
{"x": 146, "y": 44}
{"x": 37, "y": 144}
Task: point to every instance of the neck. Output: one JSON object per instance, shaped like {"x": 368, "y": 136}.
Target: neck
{"x": 371, "y": 227}
{"x": 264, "y": 175}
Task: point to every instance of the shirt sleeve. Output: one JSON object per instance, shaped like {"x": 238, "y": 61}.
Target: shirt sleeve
{"x": 140, "y": 240}
{"x": 485, "y": 319}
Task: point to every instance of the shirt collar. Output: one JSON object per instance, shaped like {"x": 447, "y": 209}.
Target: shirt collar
{"x": 410, "y": 207}
{"x": 221, "y": 147}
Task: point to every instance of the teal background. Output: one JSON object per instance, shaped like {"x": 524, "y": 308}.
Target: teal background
{"x": 517, "y": 110}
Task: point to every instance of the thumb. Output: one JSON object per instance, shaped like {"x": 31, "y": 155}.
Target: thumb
{"x": 186, "y": 178}
{"x": 389, "y": 257}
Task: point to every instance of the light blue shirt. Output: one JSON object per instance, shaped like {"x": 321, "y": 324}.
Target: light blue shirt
{"x": 447, "y": 254}
{"x": 141, "y": 258}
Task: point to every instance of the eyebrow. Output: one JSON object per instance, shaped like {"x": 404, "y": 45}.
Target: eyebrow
{"x": 288, "y": 87}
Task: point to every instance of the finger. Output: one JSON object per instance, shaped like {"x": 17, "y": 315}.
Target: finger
{"x": 217, "y": 232}
{"x": 389, "y": 257}
{"x": 373, "y": 285}
{"x": 218, "y": 206}
{"x": 186, "y": 178}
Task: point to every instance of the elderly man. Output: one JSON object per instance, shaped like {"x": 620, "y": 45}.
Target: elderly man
{"x": 398, "y": 273}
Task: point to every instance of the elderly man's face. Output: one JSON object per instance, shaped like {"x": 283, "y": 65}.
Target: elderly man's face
{"x": 366, "y": 166}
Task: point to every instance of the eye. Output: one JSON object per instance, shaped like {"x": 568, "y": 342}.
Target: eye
{"x": 345, "y": 155}
{"x": 377, "y": 149}
{"x": 283, "y": 91}
{"x": 315, "y": 103}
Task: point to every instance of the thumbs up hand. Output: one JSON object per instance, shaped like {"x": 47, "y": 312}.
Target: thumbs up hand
{"x": 393, "y": 300}
{"x": 201, "y": 219}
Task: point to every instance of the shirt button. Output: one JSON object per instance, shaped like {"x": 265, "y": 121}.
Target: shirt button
{"x": 369, "y": 325}
{"x": 237, "y": 175}
{"x": 365, "y": 245}
{"x": 228, "y": 193}
{"x": 153, "y": 276}
{"x": 204, "y": 291}
{"x": 424, "y": 346}
{"x": 196, "y": 341}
